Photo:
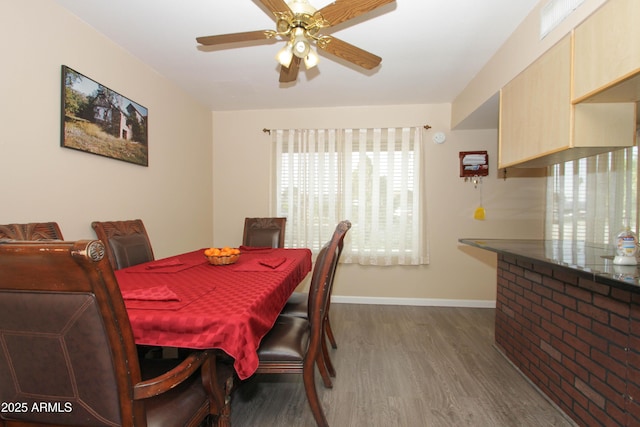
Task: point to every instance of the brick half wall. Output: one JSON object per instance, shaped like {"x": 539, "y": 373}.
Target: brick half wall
{"x": 578, "y": 341}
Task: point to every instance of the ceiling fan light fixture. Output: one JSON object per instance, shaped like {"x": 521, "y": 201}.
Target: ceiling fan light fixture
{"x": 285, "y": 55}
{"x": 311, "y": 60}
{"x": 299, "y": 25}
{"x": 301, "y": 48}
{"x": 300, "y": 44}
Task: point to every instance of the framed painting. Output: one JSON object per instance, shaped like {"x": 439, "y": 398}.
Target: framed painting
{"x": 98, "y": 120}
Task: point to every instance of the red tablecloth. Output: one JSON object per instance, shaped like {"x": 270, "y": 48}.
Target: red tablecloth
{"x": 183, "y": 301}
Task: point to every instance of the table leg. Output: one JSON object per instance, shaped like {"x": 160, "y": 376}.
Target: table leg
{"x": 218, "y": 381}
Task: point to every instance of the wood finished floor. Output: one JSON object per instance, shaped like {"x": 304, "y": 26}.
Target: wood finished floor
{"x": 404, "y": 366}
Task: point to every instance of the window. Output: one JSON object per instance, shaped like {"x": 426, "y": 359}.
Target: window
{"x": 588, "y": 198}
{"x": 371, "y": 177}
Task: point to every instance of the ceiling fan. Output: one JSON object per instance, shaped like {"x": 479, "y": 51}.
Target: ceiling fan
{"x": 300, "y": 24}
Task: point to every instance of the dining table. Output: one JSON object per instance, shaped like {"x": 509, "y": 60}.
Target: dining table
{"x": 186, "y": 302}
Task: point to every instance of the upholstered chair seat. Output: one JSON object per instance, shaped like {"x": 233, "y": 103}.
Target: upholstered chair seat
{"x": 288, "y": 340}
{"x": 182, "y": 401}
{"x": 297, "y": 305}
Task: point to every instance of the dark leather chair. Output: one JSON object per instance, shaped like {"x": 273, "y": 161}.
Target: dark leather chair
{"x": 67, "y": 342}
{"x": 294, "y": 344}
{"x": 126, "y": 242}
{"x": 31, "y": 231}
{"x": 298, "y": 306}
{"x": 264, "y": 232}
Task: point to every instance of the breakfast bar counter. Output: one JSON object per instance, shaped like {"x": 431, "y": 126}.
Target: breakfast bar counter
{"x": 588, "y": 260}
{"x": 569, "y": 320}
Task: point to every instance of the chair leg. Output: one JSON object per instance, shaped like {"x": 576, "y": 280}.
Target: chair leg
{"x": 327, "y": 325}
{"x": 324, "y": 372}
{"x": 327, "y": 358}
{"x": 218, "y": 381}
{"x": 308, "y": 376}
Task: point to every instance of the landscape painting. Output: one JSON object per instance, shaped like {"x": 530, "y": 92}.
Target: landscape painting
{"x": 99, "y": 120}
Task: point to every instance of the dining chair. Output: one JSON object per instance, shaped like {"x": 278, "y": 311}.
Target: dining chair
{"x": 126, "y": 242}
{"x": 298, "y": 306}
{"x": 66, "y": 342}
{"x": 293, "y": 345}
{"x": 31, "y": 231}
{"x": 264, "y": 232}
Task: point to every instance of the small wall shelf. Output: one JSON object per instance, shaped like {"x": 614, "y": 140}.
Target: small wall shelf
{"x": 474, "y": 163}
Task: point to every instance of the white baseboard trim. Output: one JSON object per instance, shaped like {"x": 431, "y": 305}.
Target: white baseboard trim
{"x": 426, "y": 302}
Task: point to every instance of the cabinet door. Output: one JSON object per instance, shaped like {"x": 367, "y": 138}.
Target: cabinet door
{"x": 535, "y": 108}
{"x": 607, "y": 53}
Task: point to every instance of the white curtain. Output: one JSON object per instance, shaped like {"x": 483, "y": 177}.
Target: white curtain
{"x": 588, "y": 198}
{"x": 372, "y": 177}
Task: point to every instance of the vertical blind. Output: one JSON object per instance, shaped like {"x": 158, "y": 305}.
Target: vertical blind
{"x": 588, "y": 198}
{"x": 372, "y": 177}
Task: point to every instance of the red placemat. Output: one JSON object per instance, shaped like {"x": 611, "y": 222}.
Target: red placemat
{"x": 169, "y": 265}
{"x": 262, "y": 263}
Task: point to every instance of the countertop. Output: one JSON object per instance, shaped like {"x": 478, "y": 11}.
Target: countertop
{"x": 591, "y": 260}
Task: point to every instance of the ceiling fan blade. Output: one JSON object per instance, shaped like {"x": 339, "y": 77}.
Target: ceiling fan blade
{"x": 290, "y": 74}
{"x": 234, "y": 38}
{"x": 342, "y": 10}
{"x": 351, "y": 53}
{"x": 275, "y": 6}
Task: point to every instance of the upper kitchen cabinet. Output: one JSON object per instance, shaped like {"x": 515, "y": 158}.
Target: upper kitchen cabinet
{"x": 534, "y": 108}
{"x": 539, "y": 124}
{"x": 607, "y": 54}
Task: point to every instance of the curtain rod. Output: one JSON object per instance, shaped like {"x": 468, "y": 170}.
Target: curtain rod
{"x": 265, "y": 130}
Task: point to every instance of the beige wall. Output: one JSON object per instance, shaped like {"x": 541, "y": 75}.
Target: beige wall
{"x": 41, "y": 181}
{"x": 188, "y": 201}
{"x": 241, "y": 176}
{"x": 521, "y": 49}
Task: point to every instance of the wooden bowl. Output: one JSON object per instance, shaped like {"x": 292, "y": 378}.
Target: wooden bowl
{"x": 223, "y": 259}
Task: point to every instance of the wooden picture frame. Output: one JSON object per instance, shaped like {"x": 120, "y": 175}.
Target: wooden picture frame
{"x": 98, "y": 120}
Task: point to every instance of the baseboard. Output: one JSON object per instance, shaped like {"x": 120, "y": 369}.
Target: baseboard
{"x": 427, "y": 302}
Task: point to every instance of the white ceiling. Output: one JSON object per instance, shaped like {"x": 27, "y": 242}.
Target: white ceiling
{"x": 430, "y": 49}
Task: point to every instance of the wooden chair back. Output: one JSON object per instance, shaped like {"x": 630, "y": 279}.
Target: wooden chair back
{"x": 66, "y": 340}
{"x": 322, "y": 283}
{"x": 127, "y": 242}
{"x": 67, "y": 335}
{"x": 294, "y": 345}
{"x": 267, "y": 232}
{"x": 31, "y": 231}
